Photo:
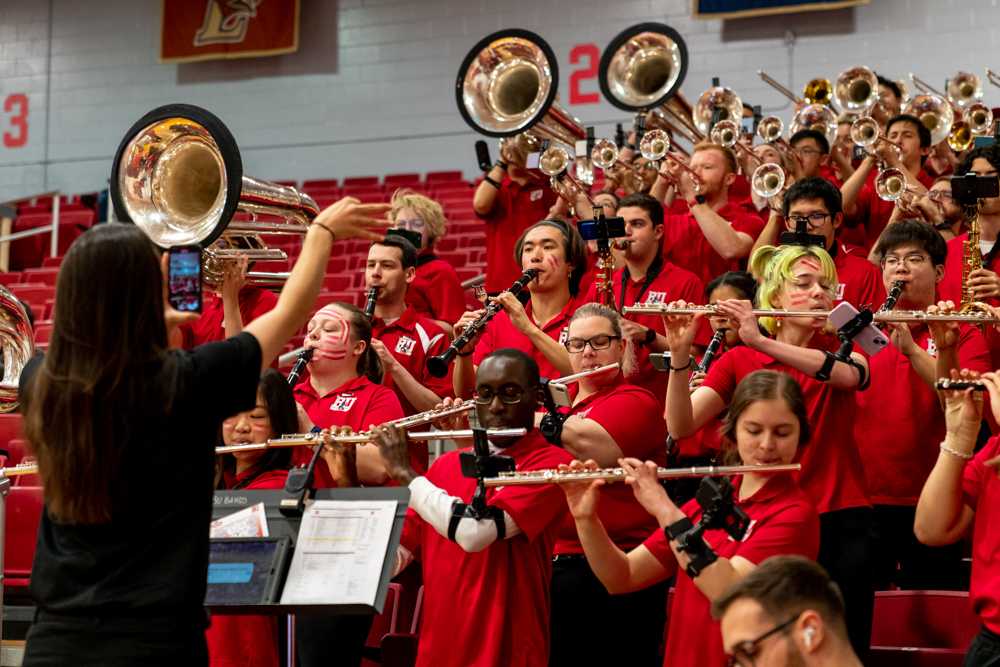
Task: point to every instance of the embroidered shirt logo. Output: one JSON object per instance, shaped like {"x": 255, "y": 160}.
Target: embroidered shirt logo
{"x": 536, "y": 195}
{"x": 344, "y": 403}
{"x": 405, "y": 345}
{"x": 656, "y": 297}
{"x": 840, "y": 291}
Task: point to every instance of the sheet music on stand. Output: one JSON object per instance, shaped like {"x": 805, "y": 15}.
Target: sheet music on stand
{"x": 341, "y": 552}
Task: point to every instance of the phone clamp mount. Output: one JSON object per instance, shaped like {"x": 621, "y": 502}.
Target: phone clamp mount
{"x": 719, "y": 511}
{"x": 479, "y": 464}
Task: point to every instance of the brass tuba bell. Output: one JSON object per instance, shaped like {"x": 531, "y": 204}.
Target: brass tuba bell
{"x": 178, "y": 176}
{"x": 18, "y": 346}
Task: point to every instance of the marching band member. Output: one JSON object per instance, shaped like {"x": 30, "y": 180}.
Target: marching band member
{"x": 714, "y": 235}
{"x": 343, "y": 389}
{"x": 225, "y": 309}
{"x": 509, "y": 200}
{"x": 119, "y": 573}
{"x": 786, "y": 613}
{"x": 538, "y": 328}
{"x": 766, "y": 424}
{"x": 610, "y": 418}
{"x": 402, "y": 338}
{"x": 796, "y": 278}
{"x": 246, "y": 639}
{"x": 436, "y": 292}
{"x": 865, "y": 213}
{"x": 899, "y": 417}
{"x": 608, "y": 202}
{"x": 936, "y": 208}
{"x": 647, "y": 277}
{"x": 961, "y": 493}
{"x": 817, "y": 203}
{"x": 813, "y": 155}
{"x": 486, "y": 580}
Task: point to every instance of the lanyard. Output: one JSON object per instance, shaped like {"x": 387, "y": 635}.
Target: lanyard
{"x": 651, "y": 275}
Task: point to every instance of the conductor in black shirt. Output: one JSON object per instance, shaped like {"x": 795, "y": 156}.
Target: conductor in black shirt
{"x": 124, "y": 431}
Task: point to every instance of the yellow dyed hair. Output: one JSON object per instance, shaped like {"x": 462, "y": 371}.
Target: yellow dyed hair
{"x": 429, "y": 211}
{"x": 772, "y": 266}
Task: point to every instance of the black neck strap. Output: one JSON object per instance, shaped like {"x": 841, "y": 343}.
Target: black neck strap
{"x": 651, "y": 274}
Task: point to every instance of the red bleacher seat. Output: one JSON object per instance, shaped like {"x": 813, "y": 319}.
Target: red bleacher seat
{"x": 33, "y": 292}
{"x": 365, "y": 181}
{"x": 924, "y": 619}
{"x": 10, "y": 428}
{"x": 384, "y": 623}
{"x": 393, "y": 181}
{"x": 33, "y": 209}
{"x": 399, "y": 649}
{"x": 320, "y": 184}
{"x": 29, "y": 252}
{"x": 443, "y": 176}
{"x": 24, "y": 512}
{"x": 472, "y": 240}
{"x": 17, "y": 449}
{"x": 9, "y": 278}
{"x": 43, "y": 275}
{"x": 42, "y": 333}
{"x": 49, "y": 262}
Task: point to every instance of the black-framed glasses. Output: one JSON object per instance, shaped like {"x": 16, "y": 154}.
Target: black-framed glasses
{"x": 745, "y": 652}
{"x": 599, "y": 342}
{"x": 912, "y": 260}
{"x": 812, "y": 221}
{"x": 509, "y": 394}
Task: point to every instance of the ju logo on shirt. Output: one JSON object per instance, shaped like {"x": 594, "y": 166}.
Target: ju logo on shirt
{"x": 536, "y": 195}
{"x": 405, "y": 345}
{"x": 840, "y": 291}
{"x": 656, "y": 297}
{"x": 344, "y": 403}
{"x": 931, "y": 347}
{"x": 563, "y": 336}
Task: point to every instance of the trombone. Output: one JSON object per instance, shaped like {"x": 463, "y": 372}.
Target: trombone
{"x": 933, "y": 110}
{"x": 817, "y": 91}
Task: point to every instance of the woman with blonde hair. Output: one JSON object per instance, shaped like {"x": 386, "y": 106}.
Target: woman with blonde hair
{"x": 795, "y": 278}
{"x": 436, "y": 290}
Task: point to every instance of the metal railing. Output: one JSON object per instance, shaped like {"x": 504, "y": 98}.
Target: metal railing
{"x": 52, "y": 228}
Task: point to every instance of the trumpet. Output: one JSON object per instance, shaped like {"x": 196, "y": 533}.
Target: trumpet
{"x": 309, "y": 439}
{"x": 555, "y": 163}
{"x": 526, "y": 477}
{"x": 767, "y": 180}
{"x": 19, "y": 469}
{"x": 964, "y": 89}
{"x": 856, "y": 90}
{"x": 979, "y": 118}
{"x": 944, "y": 384}
{"x": 438, "y": 366}
{"x": 659, "y": 145}
{"x": 932, "y": 109}
{"x": 891, "y": 316}
{"x": 716, "y": 101}
{"x": 817, "y": 117}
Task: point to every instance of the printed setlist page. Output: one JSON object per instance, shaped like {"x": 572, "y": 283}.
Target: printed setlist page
{"x": 340, "y": 552}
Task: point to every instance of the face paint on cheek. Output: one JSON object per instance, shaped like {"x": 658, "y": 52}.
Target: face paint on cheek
{"x": 333, "y": 345}
{"x": 810, "y": 263}
{"x": 797, "y": 299}
{"x": 551, "y": 263}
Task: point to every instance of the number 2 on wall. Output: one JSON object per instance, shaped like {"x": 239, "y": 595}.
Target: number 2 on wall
{"x": 592, "y": 55}
{"x": 17, "y": 136}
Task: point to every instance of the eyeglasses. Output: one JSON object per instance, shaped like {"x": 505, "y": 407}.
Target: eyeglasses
{"x": 745, "y": 652}
{"x": 600, "y": 342}
{"x": 414, "y": 224}
{"x": 939, "y": 195}
{"x": 809, "y": 151}
{"x": 812, "y": 221}
{"x": 509, "y": 394}
{"x": 913, "y": 260}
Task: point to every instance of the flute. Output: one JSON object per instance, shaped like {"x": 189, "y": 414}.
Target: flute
{"x": 307, "y": 439}
{"x": 566, "y": 379}
{"x": 19, "y": 469}
{"x": 618, "y": 474}
{"x": 959, "y": 385}
{"x": 890, "y": 316}
{"x": 310, "y": 439}
{"x": 304, "y": 357}
{"x": 438, "y": 366}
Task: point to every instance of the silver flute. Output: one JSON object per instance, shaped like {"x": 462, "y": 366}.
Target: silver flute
{"x": 618, "y": 474}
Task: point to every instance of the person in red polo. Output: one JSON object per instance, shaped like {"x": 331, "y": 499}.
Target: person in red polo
{"x": 899, "y": 418}
{"x": 715, "y": 235}
{"x": 436, "y": 292}
{"x": 648, "y": 278}
{"x": 538, "y": 329}
{"x": 343, "y": 390}
{"x": 817, "y": 204}
{"x": 812, "y": 149}
{"x": 865, "y": 213}
{"x": 486, "y": 580}
{"x": 509, "y": 200}
{"x": 225, "y": 311}
{"x": 402, "y": 338}
{"x": 796, "y": 278}
{"x": 984, "y": 282}
{"x": 766, "y": 424}
{"x": 610, "y": 418}
{"x": 962, "y": 493}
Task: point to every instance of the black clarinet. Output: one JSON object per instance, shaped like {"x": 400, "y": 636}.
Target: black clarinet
{"x": 438, "y": 366}
{"x": 370, "y": 303}
{"x": 893, "y": 296}
{"x": 300, "y": 363}
{"x": 712, "y": 350}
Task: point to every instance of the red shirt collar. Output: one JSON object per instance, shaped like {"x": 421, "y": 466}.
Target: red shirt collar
{"x": 354, "y": 384}
{"x": 407, "y": 322}
{"x": 776, "y": 485}
{"x": 619, "y": 381}
{"x": 562, "y": 317}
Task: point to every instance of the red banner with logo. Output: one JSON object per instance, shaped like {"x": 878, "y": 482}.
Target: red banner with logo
{"x": 217, "y": 29}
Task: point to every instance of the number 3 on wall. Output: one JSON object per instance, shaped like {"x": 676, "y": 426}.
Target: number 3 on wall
{"x": 17, "y": 136}
{"x": 590, "y": 54}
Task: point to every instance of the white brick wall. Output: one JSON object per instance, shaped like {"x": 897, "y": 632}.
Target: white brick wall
{"x": 387, "y": 104}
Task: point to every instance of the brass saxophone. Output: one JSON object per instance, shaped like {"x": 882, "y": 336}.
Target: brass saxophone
{"x": 972, "y": 260}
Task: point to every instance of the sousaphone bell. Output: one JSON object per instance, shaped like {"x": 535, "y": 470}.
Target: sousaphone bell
{"x": 178, "y": 176}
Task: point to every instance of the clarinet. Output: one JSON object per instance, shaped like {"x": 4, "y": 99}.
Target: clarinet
{"x": 438, "y": 366}
{"x": 893, "y": 296}
{"x": 370, "y": 303}
{"x": 712, "y": 350}
{"x": 300, "y": 363}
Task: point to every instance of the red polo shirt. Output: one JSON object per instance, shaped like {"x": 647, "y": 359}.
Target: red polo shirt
{"x": 411, "y": 339}
{"x": 247, "y": 640}
{"x": 950, "y": 289}
{"x": 706, "y": 441}
{"x": 899, "y": 421}
{"x": 436, "y": 292}
{"x": 873, "y": 213}
{"x": 859, "y": 281}
{"x": 981, "y": 488}
{"x": 515, "y": 209}
{"x": 633, "y": 417}
{"x": 686, "y": 246}
{"x": 783, "y": 522}
{"x": 832, "y": 474}
{"x": 254, "y": 302}
{"x": 830, "y": 174}
{"x": 672, "y": 283}
{"x": 490, "y": 608}
{"x": 357, "y": 403}
{"x": 501, "y": 333}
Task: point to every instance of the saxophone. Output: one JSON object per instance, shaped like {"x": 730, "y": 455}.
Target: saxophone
{"x": 972, "y": 260}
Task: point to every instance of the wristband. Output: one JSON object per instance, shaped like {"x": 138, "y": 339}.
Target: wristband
{"x": 699, "y": 562}
{"x": 501, "y": 164}
{"x": 491, "y": 181}
{"x": 324, "y": 227}
{"x": 682, "y": 368}
{"x": 700, "y": 199}
{"x": 954, "y": 452}
{"x": 650, "y": 336}
{"x": 678, "y": 528}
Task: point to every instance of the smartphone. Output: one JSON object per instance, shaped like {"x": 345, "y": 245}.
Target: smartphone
{"x": 661, "y": 361}
{"x": 969, "y": 188}
{"x": 560, "y": 395}
{"x": 184, "y": 278}
{"x": 871, "y": 339}
{"x": 607, "y": 228}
